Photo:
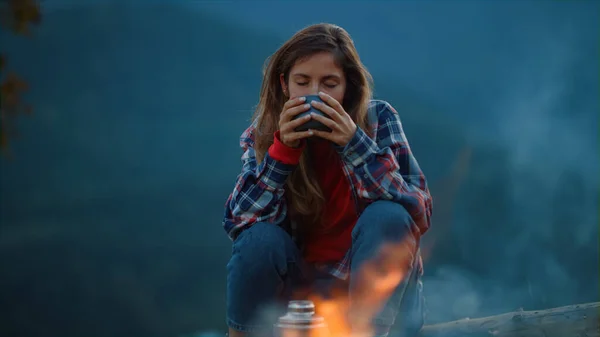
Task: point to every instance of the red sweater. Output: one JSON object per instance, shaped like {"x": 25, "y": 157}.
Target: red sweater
{"x": 339, "y": 212}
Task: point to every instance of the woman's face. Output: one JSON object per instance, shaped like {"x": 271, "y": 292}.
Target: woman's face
{"x": 313, "y": 74}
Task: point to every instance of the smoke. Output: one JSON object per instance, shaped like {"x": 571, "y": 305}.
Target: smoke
{"x": 454, "y": 293}
{"x": 542, "y": 248}
{"x": 547, "y": 116}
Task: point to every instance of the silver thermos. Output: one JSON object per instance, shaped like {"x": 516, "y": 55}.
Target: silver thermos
{"x": 301, "y": 321}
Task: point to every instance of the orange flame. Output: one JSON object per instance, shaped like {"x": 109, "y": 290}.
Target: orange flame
{"x": 374, "y": 283}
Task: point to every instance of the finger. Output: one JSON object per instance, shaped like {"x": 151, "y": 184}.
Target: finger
{"x": 293, "y": 124}
{"x": 324, "y": 134}
{"x": 299, "y": 135}
{"x": 327, "y": 110}
{"x": 293, "y": 102}
{"x": 332, "y": 102}
{"x": 326, "y": 121}
{"x": 291, "y": 112}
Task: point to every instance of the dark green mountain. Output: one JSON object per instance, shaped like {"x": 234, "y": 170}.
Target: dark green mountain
{"x": 111, "y": 208}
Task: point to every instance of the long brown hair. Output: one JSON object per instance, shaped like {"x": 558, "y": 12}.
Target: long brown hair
{"x": 303, "y": 193}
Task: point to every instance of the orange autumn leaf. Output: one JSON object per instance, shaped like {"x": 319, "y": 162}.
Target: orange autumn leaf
{"x": 18, "y": 16}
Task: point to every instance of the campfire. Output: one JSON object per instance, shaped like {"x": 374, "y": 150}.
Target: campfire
{"x": 341, "y": 316}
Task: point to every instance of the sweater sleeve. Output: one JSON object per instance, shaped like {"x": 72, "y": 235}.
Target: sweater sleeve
{"x": 283, "y": 153}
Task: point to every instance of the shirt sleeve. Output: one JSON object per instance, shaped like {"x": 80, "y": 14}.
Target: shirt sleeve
{"x": 258, "y": 195}
{"x": 385, "y": 167}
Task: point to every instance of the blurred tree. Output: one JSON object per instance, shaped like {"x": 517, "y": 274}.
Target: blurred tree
{"x": 17, "y": 16}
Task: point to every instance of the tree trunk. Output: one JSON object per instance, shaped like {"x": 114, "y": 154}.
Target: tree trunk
{"x": 580, "y": 320}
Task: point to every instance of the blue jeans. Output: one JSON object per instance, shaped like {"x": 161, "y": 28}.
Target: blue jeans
{"x": 266, "y": 267}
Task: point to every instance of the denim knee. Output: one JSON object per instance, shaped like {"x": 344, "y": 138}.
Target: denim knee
{"x": 261, "y": 248}
{"x": 385, "y": 220}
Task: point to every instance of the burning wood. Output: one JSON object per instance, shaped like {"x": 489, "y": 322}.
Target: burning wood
{"x": 569, "y": 321}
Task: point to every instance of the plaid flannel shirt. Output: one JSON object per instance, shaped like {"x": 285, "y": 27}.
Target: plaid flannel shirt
{"x": 378, "y": 168}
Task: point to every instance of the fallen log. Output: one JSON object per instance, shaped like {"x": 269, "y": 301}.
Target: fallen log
{"x": 580, "y": 320}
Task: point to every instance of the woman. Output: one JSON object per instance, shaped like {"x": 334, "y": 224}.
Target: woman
{"x": 311, "y": 207}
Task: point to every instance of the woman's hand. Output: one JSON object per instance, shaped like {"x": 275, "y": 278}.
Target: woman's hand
{"x": 341, "y": 124}
{"x": 287, "y": 134}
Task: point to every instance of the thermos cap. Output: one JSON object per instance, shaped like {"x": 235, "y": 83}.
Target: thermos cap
{"x": 301, "y": 315}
